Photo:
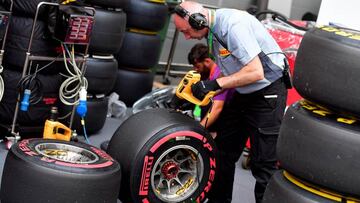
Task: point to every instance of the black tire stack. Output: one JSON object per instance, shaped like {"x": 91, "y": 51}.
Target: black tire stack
{"x": 141, "y": 48}
{"x": 101, "y": 68}
{"x": 319, "y": 140}
{"x": 16, "y": 46}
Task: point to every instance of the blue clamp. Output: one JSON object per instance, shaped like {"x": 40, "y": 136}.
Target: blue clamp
{"x": 26, "y": 100}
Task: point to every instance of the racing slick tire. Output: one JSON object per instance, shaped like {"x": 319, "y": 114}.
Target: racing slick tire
{"x": 327, "y": 69}
{"x": 101, "y": 74}
{"x": 280, "y": 189}
{"x": 166, "y": 157}
{"x": 132, "y": 85}
{"x": 44, "y": 170}
{"x": 146, "y": 15}
{"x": 108, "y": 32}
{"x": 139, "y": 50}
{"x": 321, "y": 148}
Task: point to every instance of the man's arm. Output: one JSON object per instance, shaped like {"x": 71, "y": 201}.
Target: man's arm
{"x": 214, "y": 114}
{"x": 249, "y": 74}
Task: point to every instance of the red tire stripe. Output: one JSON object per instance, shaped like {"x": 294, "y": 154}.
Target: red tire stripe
{"x": 102, "y": 165}
{"x": 176, "y": 134}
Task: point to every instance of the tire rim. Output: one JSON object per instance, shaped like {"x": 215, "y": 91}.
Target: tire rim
{"x": 66, "y": 153}
{"x": 177, "y": 173}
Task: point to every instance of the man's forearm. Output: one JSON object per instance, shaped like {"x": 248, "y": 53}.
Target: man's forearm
{"x": 249, "y": 74}
{"x": 214, "y": 114}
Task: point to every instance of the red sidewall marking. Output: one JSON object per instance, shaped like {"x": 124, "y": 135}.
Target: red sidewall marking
{"x": 103, "y": 165}
{"x": 145, "y": 200}
{"x": 148, "y": 161}
{"x": 176, "y": 134}
{"x": 23, "y": 146}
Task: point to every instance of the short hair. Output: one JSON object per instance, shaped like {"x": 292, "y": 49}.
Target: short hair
{"x": 198, "y": 53}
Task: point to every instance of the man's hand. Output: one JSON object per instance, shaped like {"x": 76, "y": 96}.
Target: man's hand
{"x": 180, "y": 104}
{"x": 200, "y": 89}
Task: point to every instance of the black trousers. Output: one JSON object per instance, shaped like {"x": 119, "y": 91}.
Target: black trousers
{"x": 257, "y": 115}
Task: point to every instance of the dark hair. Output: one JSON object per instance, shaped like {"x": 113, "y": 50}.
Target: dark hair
{"x": 309, "y": 17}
{"x": 198, "y": 53}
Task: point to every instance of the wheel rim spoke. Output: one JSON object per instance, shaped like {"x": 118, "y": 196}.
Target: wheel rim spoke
{"x": 176, "y": 173}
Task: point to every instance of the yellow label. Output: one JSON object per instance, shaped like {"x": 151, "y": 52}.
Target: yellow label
{"x": 322, "y": 112}
{"x": 340, "y": 32}
{"x": 346, "y": 120}
{"x": 157, "y": 1}
{"x": 224, "y": 52}
{"x": 185, "y": 187}
{"x": 307, "y": 106}
{"x": 357, "y": 37}
{"x": 319, "y": 191}
{"x": 55, "y": 152}
{"x": 146, "y": 32}
{"x": 317, "y": 109}
{"x": 330, "y": 29}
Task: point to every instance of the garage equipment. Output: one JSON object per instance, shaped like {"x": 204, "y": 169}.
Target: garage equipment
{"x": 4, "y": 25}
{"x": 76, "y": 32}
{"x": 183, "y": 90}
{"x": 53, "y": 129}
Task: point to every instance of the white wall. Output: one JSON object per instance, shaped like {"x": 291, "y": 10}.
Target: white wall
{"x": 344, "y": 14}
{"x": 300, "y": 7}
{"x": 281, "y": 6}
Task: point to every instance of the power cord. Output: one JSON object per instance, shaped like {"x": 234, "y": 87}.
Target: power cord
{"x": 75, "y": 81}
{"x": 2, "y": 86}
{"x": 84, "y": 130}
{"x": 280, "y": 17}
{"x": 74, "y": 86}
{"x": 81, "y": 110}
{"x": 209, "y": 112}
{"x": 30, "y": 88}
{"x": 286, "y": 71}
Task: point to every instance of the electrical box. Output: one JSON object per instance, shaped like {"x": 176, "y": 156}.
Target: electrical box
{"x": 73, "y": 25}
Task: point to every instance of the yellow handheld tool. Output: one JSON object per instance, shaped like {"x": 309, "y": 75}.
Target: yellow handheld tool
{"x": 183, "y": 90}
{"x": 54, "y": 129}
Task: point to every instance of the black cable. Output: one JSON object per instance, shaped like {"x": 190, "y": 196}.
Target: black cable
{"x": 32, "y": 83}
{"x": 208, "y": 113}
{"x": 279, "y": 16}
{"x": 258, "y": 14}
{"x": 286, "y": 71}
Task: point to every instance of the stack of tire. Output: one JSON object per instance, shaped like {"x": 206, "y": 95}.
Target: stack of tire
{"x": 141, "y": 49}
{"x": 101, "y": 68}
{"x": 318, "y": 146}
{"x": 16, "y": 46}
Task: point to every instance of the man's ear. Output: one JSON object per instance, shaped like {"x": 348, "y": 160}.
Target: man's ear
{"x": 208, "y": 61}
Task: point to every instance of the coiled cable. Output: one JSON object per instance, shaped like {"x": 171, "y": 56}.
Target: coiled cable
{"x": 2, "y": 86}
{"x": 32, "y": 83}
{"x": 70, "y": 88}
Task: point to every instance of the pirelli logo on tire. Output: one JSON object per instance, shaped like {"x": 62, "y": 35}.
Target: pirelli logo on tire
{"x": 322, "y": 111}
{"x": 341, "y": 32}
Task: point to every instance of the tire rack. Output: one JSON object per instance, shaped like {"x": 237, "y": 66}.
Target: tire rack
{"x": 4, "y": 39}
{"x": 14, "y": 137}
